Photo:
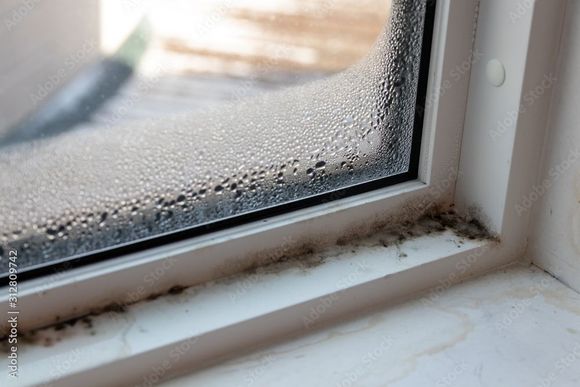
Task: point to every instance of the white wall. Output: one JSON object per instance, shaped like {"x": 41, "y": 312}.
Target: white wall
{"x": 555, "y": 231}
{"x": 43, "y": 44}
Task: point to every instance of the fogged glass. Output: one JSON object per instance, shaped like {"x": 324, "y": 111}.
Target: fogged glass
{"x": 208, "y": 110}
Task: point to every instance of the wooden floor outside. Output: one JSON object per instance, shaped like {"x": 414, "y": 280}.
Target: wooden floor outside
{"x": 208, "y": 51}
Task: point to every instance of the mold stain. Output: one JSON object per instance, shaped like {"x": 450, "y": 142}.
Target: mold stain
{"x": 60, "y": 330}
{"x": 48, "y": 337}
{"x": 176, "y": 290}
{"x": 436, "y": 220}
{"x": 303, "y": 258}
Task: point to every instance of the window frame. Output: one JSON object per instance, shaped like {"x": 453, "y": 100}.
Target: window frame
{"x": 154, "y": 240}
{"x": 227, "y": 251}
{"x": 452, "y": 128}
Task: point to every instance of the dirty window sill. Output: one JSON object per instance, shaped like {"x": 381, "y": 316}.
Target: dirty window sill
{"x": 192, "y": 327}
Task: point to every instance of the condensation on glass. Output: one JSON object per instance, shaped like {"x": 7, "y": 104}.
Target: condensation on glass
{"x": 88, "y": 190}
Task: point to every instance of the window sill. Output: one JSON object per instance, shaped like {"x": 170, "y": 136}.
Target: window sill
{"x": 478, "y": 333}
{"x": 194, "y": 327}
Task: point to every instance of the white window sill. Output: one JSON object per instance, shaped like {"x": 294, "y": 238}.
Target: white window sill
{"x": 480, "y": 333}
{"x": 179, "y": 332}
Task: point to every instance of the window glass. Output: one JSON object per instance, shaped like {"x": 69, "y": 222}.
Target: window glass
{"x": 164, "y": 116}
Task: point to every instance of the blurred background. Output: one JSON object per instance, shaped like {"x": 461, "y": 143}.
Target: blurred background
{"x": 69, "y": 64}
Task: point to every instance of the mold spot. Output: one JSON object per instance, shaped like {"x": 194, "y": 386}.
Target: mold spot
{"x": 115, "y": 308}
{"x": 302, "y": 256}
{"x": 177, "y": 290}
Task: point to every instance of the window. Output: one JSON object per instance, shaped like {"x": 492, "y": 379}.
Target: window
{"x": 479, "y": 153}
{"x": 84, "y": 193}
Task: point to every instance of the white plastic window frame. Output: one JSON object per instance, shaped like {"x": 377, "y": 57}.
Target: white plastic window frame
{"x": 473, "y": 155}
